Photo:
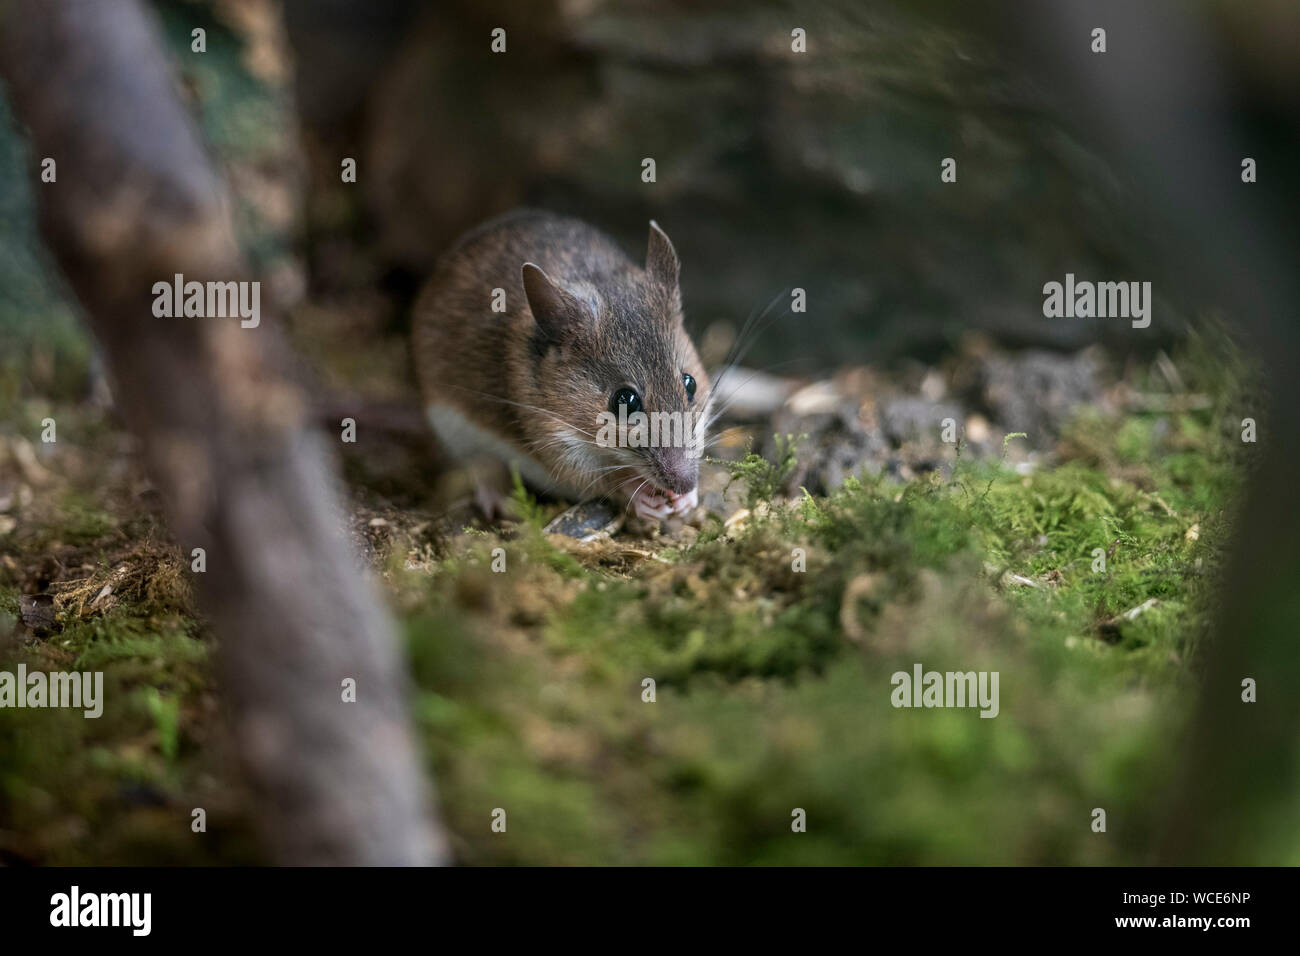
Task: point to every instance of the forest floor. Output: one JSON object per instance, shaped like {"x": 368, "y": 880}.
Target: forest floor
{"x": 1077, "y": 561}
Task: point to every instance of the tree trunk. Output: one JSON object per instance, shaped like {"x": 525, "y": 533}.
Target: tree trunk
{"x": 225, "y": 437}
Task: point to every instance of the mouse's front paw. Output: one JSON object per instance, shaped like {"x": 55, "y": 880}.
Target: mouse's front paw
{"x": 651, "y": 505}
{"x": 657, "y": 504}
{"x": 683, "y": 504}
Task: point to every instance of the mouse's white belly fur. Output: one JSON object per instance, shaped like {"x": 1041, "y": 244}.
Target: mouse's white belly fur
{"x": 466, "y": 440}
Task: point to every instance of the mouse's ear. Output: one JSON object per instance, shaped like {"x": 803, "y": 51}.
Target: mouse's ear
{"x": 556, "y": 311}
{"x": 661, "y": 258}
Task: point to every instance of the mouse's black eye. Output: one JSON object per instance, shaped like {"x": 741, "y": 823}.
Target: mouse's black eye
{"x": 689, "y": 382}
{"x": 628, "y": 397}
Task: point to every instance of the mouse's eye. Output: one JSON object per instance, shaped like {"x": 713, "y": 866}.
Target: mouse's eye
{"x": 689, "y": 382}
{"x": 628, "y": 397}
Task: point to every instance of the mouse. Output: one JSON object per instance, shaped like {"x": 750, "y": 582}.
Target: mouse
{"x": 540, "y": 346}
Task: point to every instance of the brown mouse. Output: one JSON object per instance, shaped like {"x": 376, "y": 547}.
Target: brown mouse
{"x": 583, "y": 348}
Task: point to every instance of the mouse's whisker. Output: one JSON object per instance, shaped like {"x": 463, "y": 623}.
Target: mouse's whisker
{"x": 747, "y": 336}
{"x": 632, "y": 497}
{"x": 601, "y": 474}
{"x": 541, "y": 411}
{"x": 724, "y": 403}
{"x": 545, "y": 442}
{"x": 754, "y": 316}
{"x": 730, "y": 396}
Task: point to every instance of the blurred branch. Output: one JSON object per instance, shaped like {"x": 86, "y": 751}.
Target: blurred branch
{"x": 225, "y": 437}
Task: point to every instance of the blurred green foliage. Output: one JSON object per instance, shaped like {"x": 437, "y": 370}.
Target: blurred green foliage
{"x": 41, "y": 340}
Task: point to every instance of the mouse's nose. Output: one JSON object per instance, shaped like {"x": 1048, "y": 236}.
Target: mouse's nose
{"x": 678, "y": 472}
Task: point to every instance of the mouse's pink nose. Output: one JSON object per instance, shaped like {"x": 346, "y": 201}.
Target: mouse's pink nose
{"x": 678, "y": 472}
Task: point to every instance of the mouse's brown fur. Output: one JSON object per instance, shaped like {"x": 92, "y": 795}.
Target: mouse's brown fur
{"x": 581, "y": 321}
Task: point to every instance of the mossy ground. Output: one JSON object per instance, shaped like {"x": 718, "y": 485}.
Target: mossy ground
{"x": 772, "y": 684}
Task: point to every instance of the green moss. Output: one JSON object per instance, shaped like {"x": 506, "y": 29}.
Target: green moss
{"x": 765, "y": 705}
{"x": 771, "y": 643}
{"x": 121, "y": 786}
{"x": 761, "y": 478}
